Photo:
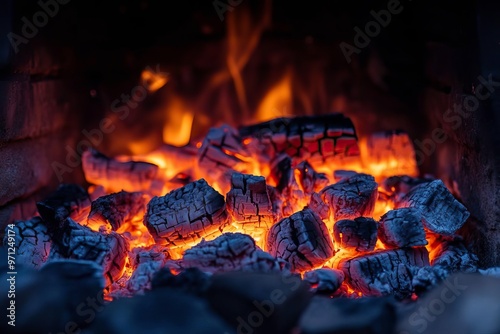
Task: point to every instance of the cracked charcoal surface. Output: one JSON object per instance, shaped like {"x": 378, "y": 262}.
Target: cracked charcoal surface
{"x": 73, "y": 241}
{"x": 31, "y": 242}
{"x": 326, "y": 139}
{"x": 402, "y": 228}
{"x": 230, "y": 252}
{"x": 116, "y": 176}
{"x": 451, "y": 254}
{"x": 359, "y": 234}
{"x": 396, "y": 187}
{"x": 441, "y": 212}
{"x": 324, "y": 280}
{"x": 249, "y": 204}
{"x": 352, "y": 197}
{"x": 117, "y": 210}
{"x": 301, "y": 240}
{"x": 146, "y": 263}
{"x": 385, "y": 272}
{"x": 221, "y": 153}
{"x": 69, "y": 200}
{"x": 317, "y": 205}
{"x": 186, "y": 215}
{"x": 425, "y": 278}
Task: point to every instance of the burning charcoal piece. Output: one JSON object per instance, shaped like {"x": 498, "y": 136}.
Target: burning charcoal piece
{"x": 352, "y": 197}
{"x": 309, "y": 180}
{"x": 426, "y": 278}
{"x": 249, "y": 204}
{"x": 230, "y": 252}
{"x": 74, "y": 241}
{"x": 324, "y": 280}
{"x": 340, "y": 174}
{"x": 385, "y": 272}
{"x": 451, "y": 254}
{"x": 321, "y": 140}
{"x": 317, "y": 205}
{"x": 360, "y": 234}
{"x": 146, "y": 264}
{"x": 116, "y": 176}
{"x": 117, "y": 210}
{"x": 302, "y": 240}
{"x": 186, "y": 215}
{"x": 396, "y": 187}
{"x": 292, "y": 198}
{"x": 221, "y": 153}
{"x": 402, "y": 228}
{"x": 31, "y": 241}
{"x": 441, "y": 212}
{"x": 69, "y": 200}
{"x": 190, "y": 280}
{"x": 390, "y": 153}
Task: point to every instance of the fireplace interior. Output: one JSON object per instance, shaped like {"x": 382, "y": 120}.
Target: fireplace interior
{"x": 237, "y": 166}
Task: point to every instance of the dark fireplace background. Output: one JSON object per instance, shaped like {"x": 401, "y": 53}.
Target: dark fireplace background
{"x": 426, "y": 61}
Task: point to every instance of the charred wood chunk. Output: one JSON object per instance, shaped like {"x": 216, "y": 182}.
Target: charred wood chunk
{"x": 302, "y": 240}
{"x": 308, "y": 179}
{"x": 116, "y": 176}
{"x": 359, "y": 234}
{"x": 292, "y": 197}
{"x": 352, "y": 197}
{"x": 394, "y": 188}
{"x": 221, "y": 153}
{"x": 74, "y": 241}
{"x": 317, "y": 205}
{"x": 391, "y": 153}
{"x": 451, "y": 254}
{"x": 324, "y": 280}
{"x": 385, "y": 272}
{"x": 186, "y": 215}
{"x": 146, "y": 264}
{"x": 321, "y": 140}
{"x": 426, "y": 278}
{"x": 441, "y": 212}
{"x": 117, "y": 210}
{"x": 402, "y": 228}
{"x": 69, "y": 200}
{"x": 31, "y": 241}
{"x": 249, "y": 204}
{"x": 230, "y": 252}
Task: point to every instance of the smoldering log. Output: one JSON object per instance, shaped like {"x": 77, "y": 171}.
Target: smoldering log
{"x": 116, "y": 210}
{"x": 74, "y": 241}
{"x": 308, "y": 179}
{"x": 321, "y": 140}
{"x": 441, "y": 212}
{"x": 116, "y": 176}
{"x": 186, "y": 215}
{"x": 451, "y": 254}
{"x": 221, "y": 153}
{"x": 385, "y": 272}
{"x": 359, "y": 234}
{"x": 324, "y": 280}
{"x": 230, "y": 252}
{"x": 302, "y": 240}
{"x": 69, "y": 200}
{"x": 391, "y": 153}
{"x": 31, "y": 241}
{"x": 402, "y": 228}
{"x": 249, "y": 204}
{"x": 352, "y": 197}
{"x": 394, "y": 188}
